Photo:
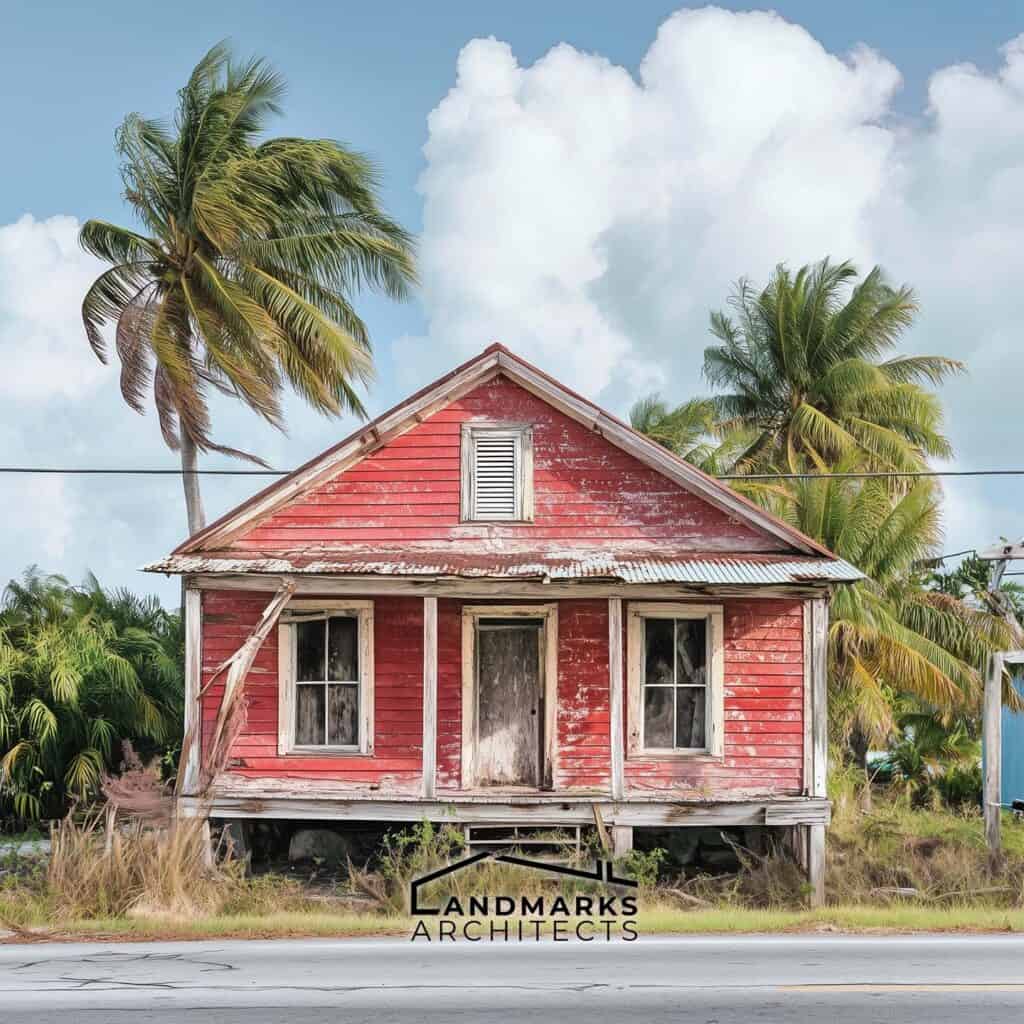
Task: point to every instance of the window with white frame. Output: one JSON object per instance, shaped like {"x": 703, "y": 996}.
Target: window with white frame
{"x": 326, "y": 679}
{"x": 497, "y": 472}
{"x": 675, "y": 679}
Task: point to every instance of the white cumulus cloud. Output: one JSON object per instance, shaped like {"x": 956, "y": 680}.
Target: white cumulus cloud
{"x": 43, "y": 277}
{"x": 591, "y": 218}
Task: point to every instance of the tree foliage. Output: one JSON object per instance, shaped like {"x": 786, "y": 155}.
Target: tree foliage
{"x": 892, "y": 634}
{"x": 81, "y": 669}
{"x": 806, "y": 380}
{"x": 800, "y": 364}
{"x": 250, "y": 250}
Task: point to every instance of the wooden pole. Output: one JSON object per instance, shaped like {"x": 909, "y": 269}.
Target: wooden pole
{"x": 992, "y": 713}
{"x": 429, "y": 697}
{"x": 992, "y": 738}
{"x": 816, "y": 863}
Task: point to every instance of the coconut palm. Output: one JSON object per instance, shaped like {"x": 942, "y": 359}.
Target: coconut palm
{"x": 81, "y": 670}
{"x": 889, "y": 634}
{"x": 689, "y": 431}
{"x": 241, "y": 277}
{"x": 800, "y": 364}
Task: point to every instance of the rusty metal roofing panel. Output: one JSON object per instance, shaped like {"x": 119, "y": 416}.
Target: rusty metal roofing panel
{"x": 750, "y": 570}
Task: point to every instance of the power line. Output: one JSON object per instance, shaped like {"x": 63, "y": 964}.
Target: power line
{"x": 868, "y": 475}
{"x": 102, "y": 471}
{"x": 865, "y": 475}
{"x": 952, "y": 554}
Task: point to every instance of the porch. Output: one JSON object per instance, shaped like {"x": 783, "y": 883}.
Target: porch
{"x": 587, "y": 770}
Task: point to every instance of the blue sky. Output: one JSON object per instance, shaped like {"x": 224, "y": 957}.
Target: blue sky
{"x": 367, "y": 74}
{"x": 371, "y": 75}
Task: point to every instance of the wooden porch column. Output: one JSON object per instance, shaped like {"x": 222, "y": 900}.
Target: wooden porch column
{"x": 189, "y": 781}
{"x": 429, "y": 697}
{"x": 818, "y": 654}
{"x": 615, "y": 693}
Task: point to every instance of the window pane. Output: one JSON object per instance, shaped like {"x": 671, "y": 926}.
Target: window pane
{"x": 658, "y": 716}
{"x": 309, "y": 714}
{"x": 691, "y": 652}
{"x": 658, "y": 651}
{"x": 690, "y": 716}
{"x": 309, "y": 650}
{"x": 343, "y": 715}
{"x": 342, "y": 649}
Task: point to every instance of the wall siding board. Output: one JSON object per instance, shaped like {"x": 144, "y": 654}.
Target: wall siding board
{"x": 586, "y": 491}
{"x": 398, "y": 733}
{"x": 763, "y": 712}
{"x": 763, "y": 742}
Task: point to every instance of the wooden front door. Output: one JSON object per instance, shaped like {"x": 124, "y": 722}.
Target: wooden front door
{"x": 509, "y": 704}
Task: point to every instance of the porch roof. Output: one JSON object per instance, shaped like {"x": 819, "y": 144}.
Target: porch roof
{"x": 556, "y": 565}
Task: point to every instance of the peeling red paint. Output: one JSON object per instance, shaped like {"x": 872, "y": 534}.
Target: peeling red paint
{"x": 590, "y": 496}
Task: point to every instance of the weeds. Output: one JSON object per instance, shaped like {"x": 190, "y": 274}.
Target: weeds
{"x": 885, "y": 858}
{"x": 414, "y": 852}
{"x": 96, "y": 871}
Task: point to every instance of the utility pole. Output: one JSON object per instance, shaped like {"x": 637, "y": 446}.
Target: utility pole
{"x": 992, "y": 716}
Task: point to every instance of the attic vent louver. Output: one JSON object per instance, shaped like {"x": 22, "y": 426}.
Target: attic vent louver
{"x": 497, "y": 466}
{"x": 494, "y": 467}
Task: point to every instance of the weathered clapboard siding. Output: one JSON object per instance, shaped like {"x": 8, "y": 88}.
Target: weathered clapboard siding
{"x": 763, "y": 702}
{"x": 396, "y": 761}
{"x": 763, "y": 710}
{"x": 585, "y": 491}
{"x": 584, "y": 725}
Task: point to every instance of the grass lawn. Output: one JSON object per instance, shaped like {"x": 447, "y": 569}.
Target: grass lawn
{"x": 891, "y": 868}
{"x": 655, "y": 921}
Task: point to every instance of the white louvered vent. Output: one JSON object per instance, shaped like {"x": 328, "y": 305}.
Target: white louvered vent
{"x": 495, "y": 476}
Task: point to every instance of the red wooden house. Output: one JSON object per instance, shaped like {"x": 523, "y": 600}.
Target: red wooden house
{"x": 498, "y": 604}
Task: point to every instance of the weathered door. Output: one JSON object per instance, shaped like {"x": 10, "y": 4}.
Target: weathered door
{"x": 509, "y": 693}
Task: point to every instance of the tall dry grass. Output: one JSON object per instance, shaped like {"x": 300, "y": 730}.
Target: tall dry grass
{"x": 97, "y": 871}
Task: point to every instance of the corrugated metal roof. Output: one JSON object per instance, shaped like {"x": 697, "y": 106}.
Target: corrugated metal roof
{"x": 626, "y": 568}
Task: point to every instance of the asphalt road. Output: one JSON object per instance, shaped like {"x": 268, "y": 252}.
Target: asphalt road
{"x": 720, "y": 980}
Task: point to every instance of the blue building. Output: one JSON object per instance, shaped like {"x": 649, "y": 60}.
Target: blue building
{"x": 1013, "y": 753}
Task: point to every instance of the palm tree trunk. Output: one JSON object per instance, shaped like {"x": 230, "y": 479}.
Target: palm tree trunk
{"x": 190, "y": 482}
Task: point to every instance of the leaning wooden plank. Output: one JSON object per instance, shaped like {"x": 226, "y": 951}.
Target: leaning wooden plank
{"x": 230, "y": 710}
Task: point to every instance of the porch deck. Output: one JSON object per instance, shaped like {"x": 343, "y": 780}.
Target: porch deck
{"x": 277, "y": 798}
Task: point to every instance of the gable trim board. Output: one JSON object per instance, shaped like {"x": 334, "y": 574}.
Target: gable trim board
{"x": 494, "y": 361}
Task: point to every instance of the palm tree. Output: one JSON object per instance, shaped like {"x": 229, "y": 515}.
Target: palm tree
{"x": 242, "y": 275}
{"x": 927, "y": 750}
{"x": 800, "y": 364}
{"x": 689, "y": 431}
{"x": 81, "y": 669}
{"x": 890, "y": 635}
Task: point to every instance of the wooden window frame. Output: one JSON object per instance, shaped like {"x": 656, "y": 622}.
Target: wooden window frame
{"x": 523, "y": 432}
{"x": 714, "y": 619}
{"x": 549, "y": 639}
{"x": 362, "y": 611}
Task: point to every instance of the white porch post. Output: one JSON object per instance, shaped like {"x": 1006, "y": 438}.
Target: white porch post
{"x": 615, "y": 693}
{"x": 193, "y": 682}
{"x": 819, "y": 754}
{"x": 429, "y": 697}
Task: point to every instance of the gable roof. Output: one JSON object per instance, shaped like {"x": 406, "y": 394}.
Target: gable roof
{"x": 495, "y": 360}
